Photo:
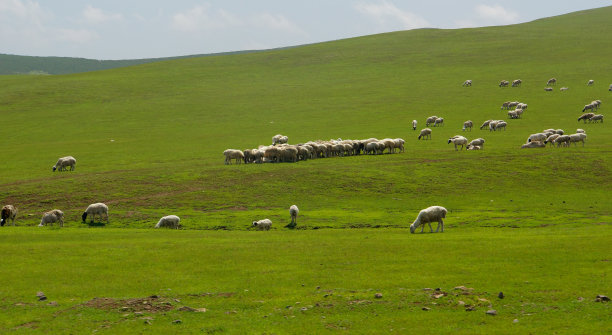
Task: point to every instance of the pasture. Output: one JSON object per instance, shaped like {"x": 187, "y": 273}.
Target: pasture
{"x": 148, "y": 139}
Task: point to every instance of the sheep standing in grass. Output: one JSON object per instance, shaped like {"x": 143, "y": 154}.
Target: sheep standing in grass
{"x": 597, "y": 117}
{"x": 264, "y": 224}
{"x": 516, "y": 83}
{"x": 458, "y": 140}
{"x": 427, "y": 216}
{"x": 467, "y": 83}
{"x": 579, "y": 131}
{"x": 8, "y": 212}
{"x": 169, "y": 221}
{"x": 468, "y": 125}
{"x": 51, "y": 217}
{"x": 64, "y": 162}
{"x": 584, "y": 117}
{"x": 485, "y": 124}
{"x": 425, "y": 133}
{"x": 233, "y": 154}
{"x": 500, "y": 125}
{"x": 551, "y": 81}
{"x": 574, "y": 138}
{"x": 92, "y": 210}
{"x": 293, "y": 212}
{"x": 590, "y": 82}
{"x": 562, "y": 140}
{"x": 563, "y": 89}
{"x": 504, "y": 83}
{"x": 537, "y": 137}
{"x": 550, "y": 139}
{"x": 477, "y": 142}
{"x": 439, "y": 122}
{"x": 610, "y": 89}
{"x": 548, "y": 89}
{"x": 430, "y": 120}
{"x": 414, "y": 124}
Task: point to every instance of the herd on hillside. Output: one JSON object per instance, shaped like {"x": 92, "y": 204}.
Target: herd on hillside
{"x": 282, "y": 151}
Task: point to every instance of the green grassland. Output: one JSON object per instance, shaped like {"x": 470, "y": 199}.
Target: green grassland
{"x": 149, "y": 142}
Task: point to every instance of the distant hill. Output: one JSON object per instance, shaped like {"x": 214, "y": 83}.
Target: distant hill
{"x": 16, "y": 64}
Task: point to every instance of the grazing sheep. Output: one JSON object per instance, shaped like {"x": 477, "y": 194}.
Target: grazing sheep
{"x": 541, "y": 137}
{"x": 562, "y": 89}
{"x": 505, "y": 105}
{"x": 574, "y": 138}
{"x": 551, "y": 81}
{"x": 516, "y": 82}
{"x": 610, "y": 89}
{"x": 534, "y": 144}
{"x": 279, "y": 139}
{"x": 99, "y": 209}
{"x": 562, "y": 140}
{"x": 500, "y": 125}
{"x": 458, "y": 140}
{"x": 399, "y": 144}
{"x": 427, "y": 216}
{"x": 293, "y": 212}
{"x": 513, "y": 104}
{"x": 513, "y": 114}
{"x": 371, "y": 147}
{"x": 477, "y": 142}
{"x": 414, "y": 124}
{"x": 288, "y": 154}
{"x": 504, "y": 83}
{"x": 468, "y": 125}
{"x": 485, "y": 124}
{"x": 169, "y": 221}
{"x": 590, "y": 106}
{"x": 430, "y": 120}
{"x": 580, "y": 131}
{"x": 590, "y": 82}
{"x": 597, "y": 117}
{"x": 585, "y": 117}
{"x": 8, "y": 212}
{"x": 425, "y": 133}
{"x": 233, "y": 154}
{"x": 550, "y": 139}
{"x": 439, "y": 122}
{"x": 473, "y": 147}
{"x": 63, "y": 163}
{"x": 548, "y": 89}
{"x": 264, "y": 224}
{"x": 51, "y": 217}
{"x": 467, "y": 83}
{"x": 559, "y": 131}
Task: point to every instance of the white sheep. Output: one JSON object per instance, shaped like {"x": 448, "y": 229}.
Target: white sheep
{"x": 596, "y": 117}
{"x": 414, "y": 124}
{"x": 548, "y": 89}
{"x": 473, "y": 147}
{"x": 51, "y": 217}
{"x": 574, "y": 138}
{"x": 477, "y": 142}
{"x": 458, "y": 140}
{"x": 516, "y": 82}
{"x": 8, "y": 212}
{"x": 590, "y": 82}
{"x": 562, "y": 140}
{"x": 610, "y": 88}
{"x": 399, "y": 144}
{"x": 559, "y": 131}
{"x": 485, "y": 124}
{"x": 551, "y": 81}
{"x": 430, "y": 120}
{"x": 439, "y": 122}
{"x": 500, "y": 124}
{"x": 92, "y": 210}
{"x": 264, "y": 224}
{"x": 513, "y": 114}
{"x": 467, "y": 83}
{"x": 293, "y": 212}
{"x": 429, "y": 215}
{"x": 468, "y": 125}
{"x": 279, "y": 139}
{"x": 550, "y": 139}
{"x": 169, "y": 221}
{"x": 425, "y": 133}
{"x": 492, "y": 125}
{"x": 580, "y": 130}
{"x": 537, "y": 137}
{"x": 584, "y": 117}
{"x": 504, "y": 83}
{"x": 64, "y": 162}
{"x": 233, "y": 154}
{"x": 533, "y": 144}
{"x": 562, "y": 89}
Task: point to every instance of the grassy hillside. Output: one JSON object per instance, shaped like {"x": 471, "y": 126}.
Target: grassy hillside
{"x": 149, "y": 142}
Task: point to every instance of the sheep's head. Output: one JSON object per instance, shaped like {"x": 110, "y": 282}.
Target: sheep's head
{"x": 255, "y": 223}
{"x": 84, "y": 216}
{"x": 412, "y": 228}
{"x": 54, "y": 168}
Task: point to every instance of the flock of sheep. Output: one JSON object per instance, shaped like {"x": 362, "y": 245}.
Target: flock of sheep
{"x": 282, "y": 151}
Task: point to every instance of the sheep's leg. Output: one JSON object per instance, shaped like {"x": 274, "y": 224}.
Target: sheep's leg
{"x": 440, "y": 225}
{"x": 422, "y": 227}
{"x": 430, "y": 228}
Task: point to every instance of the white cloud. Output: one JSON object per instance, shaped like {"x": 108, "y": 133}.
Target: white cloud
{"x": 96, "y": 15}
{"x": 496, "y": 14}
{"x": 74, "y": 35}
{"x": 276, "y": 22}
{"x": 389, "y": 15}
{"x": 23, "y": 11}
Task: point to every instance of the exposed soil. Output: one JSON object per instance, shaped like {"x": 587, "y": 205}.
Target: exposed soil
{"x": 152, "y": 304}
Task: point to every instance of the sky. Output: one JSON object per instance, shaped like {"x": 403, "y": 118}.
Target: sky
{"x": 131, "y": 29}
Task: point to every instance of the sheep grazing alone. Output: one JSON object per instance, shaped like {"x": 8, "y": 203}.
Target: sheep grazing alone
{"x": 468, "y": 125}
{"x": 427, "y": 216}
{"x": 516, "y": 82}
{"x": 264, "y": 224}
{"x": 414, "y": 124}
{"x": 169, "y": 221}
{"x": 504, "y": 83}
{"x": 63, "y": 163}
{"x": 467, "y": 83}
{"x": 596, "y": 118}
{"x": 8, "y": 212}
{"x": 425, "y": 133}
{"x": 548, "y": 89}
{"x": 92, "y": 210}
{"x": 534, "y": 144}
{"x": 458, "y": 140}
{"x": 590, "y": 82}
{"x": 293, "y": 212}
{"x": 551, "y": 81}
{"x": 562, "y": 89}
{"x": 586, "y": 116}
{"x": 51, "y": 217}
{"x": 233, "y": 154}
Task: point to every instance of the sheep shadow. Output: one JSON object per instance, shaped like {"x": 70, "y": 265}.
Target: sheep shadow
{"x": 95, "y": 224}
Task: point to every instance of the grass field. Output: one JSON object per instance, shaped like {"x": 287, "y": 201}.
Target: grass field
{"x": 534, "y": 224}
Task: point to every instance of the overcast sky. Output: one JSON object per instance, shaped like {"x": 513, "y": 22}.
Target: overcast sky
{"x": 122, "y": 29}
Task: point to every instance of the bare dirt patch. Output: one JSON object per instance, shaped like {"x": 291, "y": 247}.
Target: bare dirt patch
{"x": 152, "y": 304}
